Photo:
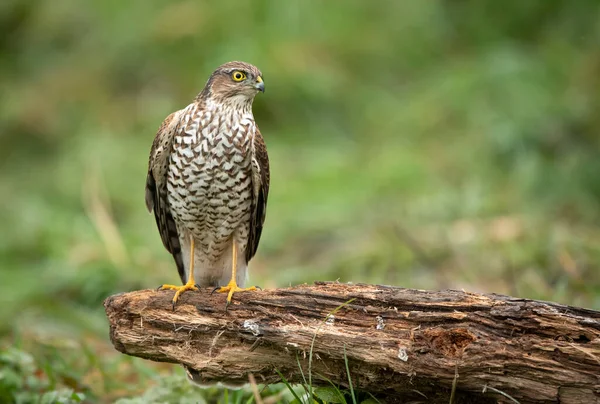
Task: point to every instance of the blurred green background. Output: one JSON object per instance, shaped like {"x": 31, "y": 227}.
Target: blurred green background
{"x": 424, "y": 144}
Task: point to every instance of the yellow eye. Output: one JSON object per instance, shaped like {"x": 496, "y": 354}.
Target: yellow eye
{"x": 238, "y": 76}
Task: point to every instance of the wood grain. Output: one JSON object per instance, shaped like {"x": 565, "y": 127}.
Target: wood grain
{"x": 402, "y": 345}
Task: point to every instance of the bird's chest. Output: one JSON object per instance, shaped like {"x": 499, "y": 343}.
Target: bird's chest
{"x": 210, "y": 172}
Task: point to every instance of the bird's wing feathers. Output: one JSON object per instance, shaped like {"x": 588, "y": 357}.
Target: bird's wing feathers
{"x": 156, "y": 189}
{"x": 260, "y": 184}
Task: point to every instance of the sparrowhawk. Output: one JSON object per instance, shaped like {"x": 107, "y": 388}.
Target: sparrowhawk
{"x": 208, "y": 182}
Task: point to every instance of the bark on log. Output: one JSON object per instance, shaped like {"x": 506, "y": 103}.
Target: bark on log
{"x": 403, "y": 345}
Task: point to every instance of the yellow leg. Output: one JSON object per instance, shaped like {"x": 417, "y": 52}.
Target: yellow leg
{"x": 190, "y": 285}
{"x": 232, "y": 286}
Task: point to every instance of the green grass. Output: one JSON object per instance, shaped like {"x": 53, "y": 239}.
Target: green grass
{"x": 420, "y": 144}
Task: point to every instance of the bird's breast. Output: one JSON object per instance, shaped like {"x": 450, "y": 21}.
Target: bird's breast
{"x": 210, "y": 175}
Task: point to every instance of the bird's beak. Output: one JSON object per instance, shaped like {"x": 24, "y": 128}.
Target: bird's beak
{"x": 260, "y": 85}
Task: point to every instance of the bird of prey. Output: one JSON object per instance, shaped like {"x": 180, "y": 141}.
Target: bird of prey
{"x": 208, "y": 182}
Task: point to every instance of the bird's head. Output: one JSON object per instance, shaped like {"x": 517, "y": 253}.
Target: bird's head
{"x": 234, "y": 81}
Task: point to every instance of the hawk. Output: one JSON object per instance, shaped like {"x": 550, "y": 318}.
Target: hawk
{"x": 208, "y": 183}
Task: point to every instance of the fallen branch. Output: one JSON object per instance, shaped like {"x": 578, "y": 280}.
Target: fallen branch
{"x": 401, "y": 344}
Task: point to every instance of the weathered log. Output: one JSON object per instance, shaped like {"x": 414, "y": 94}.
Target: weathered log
{"x": 402, "y": 344}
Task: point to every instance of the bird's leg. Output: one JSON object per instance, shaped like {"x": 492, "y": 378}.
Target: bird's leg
{"x": 190, "y": 284}
{"x": 232, "y": 286}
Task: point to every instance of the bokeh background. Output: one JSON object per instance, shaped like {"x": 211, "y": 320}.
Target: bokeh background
{"x": 424, "y": 144}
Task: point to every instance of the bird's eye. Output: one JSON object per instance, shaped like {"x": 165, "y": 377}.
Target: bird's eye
{"x": 238, "y": 76}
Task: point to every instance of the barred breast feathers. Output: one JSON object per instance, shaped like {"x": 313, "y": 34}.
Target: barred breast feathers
{"x": 210, "y": 173}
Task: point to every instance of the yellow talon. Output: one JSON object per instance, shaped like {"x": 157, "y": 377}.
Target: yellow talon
{"x": 232, "y": 287}
{"x": 179, "y": 290}
{"x": 190, "y": 285}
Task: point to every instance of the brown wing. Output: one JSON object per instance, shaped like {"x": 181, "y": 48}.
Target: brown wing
{"x": 260, "y": 183}
{"x": 156, "y": 189}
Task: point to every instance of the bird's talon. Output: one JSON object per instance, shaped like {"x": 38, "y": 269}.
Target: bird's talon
{"x": 230, "y": 289}
{"x": 179, "y": 290}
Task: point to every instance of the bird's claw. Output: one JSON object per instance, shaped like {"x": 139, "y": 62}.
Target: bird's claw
{"x": 178, "y": 291}
{"x": 232, "y": 288}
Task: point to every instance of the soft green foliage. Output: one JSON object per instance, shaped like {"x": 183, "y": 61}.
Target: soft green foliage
{"x": 333, "y": 395}
{"x": 174, "y": 389}
{"x": 19, "y": 382}
{"x": 427, "y": 144}
{"x": 329, "y": 395}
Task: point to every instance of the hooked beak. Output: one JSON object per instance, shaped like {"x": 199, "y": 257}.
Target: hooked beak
{"x": 260, "y": 85}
